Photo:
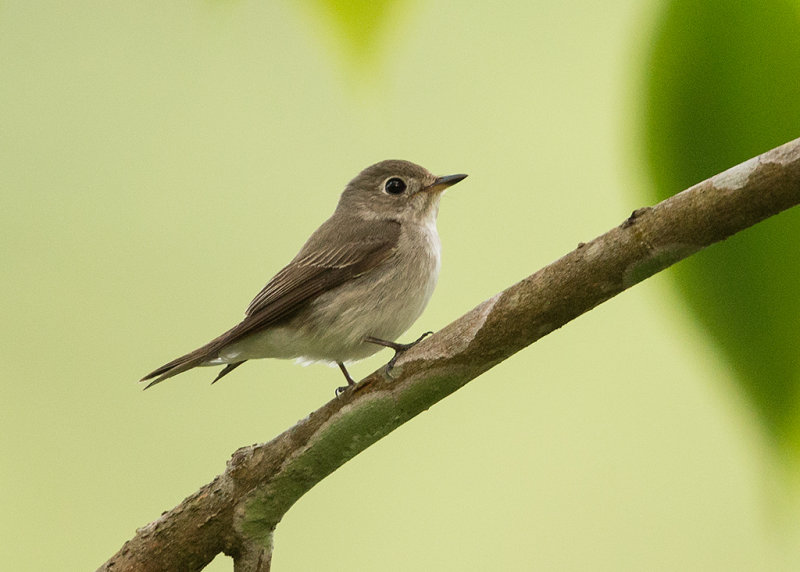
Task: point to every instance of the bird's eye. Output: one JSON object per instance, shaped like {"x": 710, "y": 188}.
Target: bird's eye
{"x": 395, "y": 186}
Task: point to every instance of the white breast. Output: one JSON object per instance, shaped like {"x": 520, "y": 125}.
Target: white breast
{"x": 383, "y": 303}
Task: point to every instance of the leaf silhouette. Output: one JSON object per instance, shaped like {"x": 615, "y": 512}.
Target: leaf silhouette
{"x": 722, "y": 85}
{"x": 358, "y": 24}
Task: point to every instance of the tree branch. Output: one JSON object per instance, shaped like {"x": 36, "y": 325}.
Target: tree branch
{"x": 237, "y": 512}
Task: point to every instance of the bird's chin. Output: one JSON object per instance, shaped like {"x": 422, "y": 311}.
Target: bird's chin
{"x": 426, "y": 208}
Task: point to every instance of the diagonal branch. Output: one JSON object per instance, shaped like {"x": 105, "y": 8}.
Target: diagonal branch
{"x": 237, "y": 512}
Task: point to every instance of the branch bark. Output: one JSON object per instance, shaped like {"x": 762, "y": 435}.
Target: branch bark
{"x": 238, "y": 511}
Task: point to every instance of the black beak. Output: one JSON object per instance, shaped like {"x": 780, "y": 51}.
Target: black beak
{"x": 442, "y": 183}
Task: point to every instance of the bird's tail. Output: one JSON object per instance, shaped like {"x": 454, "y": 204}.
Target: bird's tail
{"x": 176, "y": 366}
{"x": 201, "y": 356}
{"x": 198, "y": 357}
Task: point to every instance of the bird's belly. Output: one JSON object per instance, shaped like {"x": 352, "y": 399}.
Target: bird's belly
{"x": 332, "y": 327}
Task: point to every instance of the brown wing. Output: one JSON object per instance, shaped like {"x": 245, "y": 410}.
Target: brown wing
{"x": 317, "y": 268}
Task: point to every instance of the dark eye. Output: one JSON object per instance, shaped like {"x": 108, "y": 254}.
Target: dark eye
{"x": 395, "y": 186}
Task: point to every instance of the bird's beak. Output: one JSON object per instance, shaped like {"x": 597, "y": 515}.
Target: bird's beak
{"x": 442, "y": 183}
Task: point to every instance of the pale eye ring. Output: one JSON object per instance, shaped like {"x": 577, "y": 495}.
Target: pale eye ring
{"x": 395, "y": 186}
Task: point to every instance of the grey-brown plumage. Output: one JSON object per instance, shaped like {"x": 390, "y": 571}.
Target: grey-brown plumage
{"x": 368, "y": 271}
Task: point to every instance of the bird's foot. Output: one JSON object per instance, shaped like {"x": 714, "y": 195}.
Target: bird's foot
{"x": 398, "y": 348}
{"x": 350, "y": 382}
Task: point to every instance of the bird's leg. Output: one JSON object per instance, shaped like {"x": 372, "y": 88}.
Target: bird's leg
{"x": 350, "y": 382}
{"x": 398, "y": 348}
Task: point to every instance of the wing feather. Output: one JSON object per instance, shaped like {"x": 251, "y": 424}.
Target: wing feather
{"x": 317, "y": 268}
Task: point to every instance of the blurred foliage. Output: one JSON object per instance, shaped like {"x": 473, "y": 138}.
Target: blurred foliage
{"x": 357, "y": 23}
{"x": 723, "y": 85}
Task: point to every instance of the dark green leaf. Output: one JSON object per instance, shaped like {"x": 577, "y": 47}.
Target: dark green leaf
{"x": 723, "y": 85}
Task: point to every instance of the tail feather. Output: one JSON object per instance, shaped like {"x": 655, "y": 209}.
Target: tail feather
{"x": 176, "y": 366}
{"x": 200, "y": 356}
{"x": 227, "y": 369}
{"x": 189, "y": 361}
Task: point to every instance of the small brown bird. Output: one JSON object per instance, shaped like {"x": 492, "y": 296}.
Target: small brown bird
{"x": 359, "y": 282}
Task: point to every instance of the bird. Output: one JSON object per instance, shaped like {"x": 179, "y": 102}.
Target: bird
{"x": 359, "y": 282}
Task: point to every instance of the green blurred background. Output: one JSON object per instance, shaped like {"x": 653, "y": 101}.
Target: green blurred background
{"x": 159, "y": 161}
